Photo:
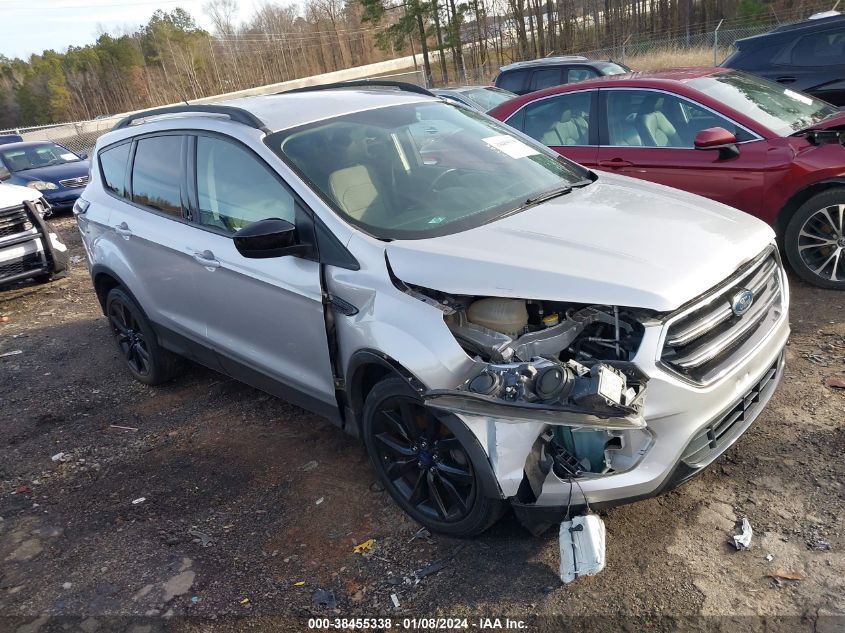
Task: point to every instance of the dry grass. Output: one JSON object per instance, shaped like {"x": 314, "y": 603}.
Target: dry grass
{"x": 674, "y": 58}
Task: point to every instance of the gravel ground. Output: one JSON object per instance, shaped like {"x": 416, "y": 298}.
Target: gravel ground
{"x": 207, "y": 505}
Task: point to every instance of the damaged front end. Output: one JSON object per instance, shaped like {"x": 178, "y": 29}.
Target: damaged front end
{"x": 553, "y": 394}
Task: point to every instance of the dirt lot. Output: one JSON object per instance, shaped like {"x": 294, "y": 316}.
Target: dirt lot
{"x": 252, "y": 506}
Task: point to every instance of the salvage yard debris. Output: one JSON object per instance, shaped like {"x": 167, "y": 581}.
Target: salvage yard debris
{"x": 138, "y": 500}
{"x": 834, "y": 382}
{"x": 366, "y": 546}
{"x": 782, "y": 574}
{"x": 200, "y": 537}
{"x": 12, "y": 353}
{"x": 122, "y": 428}
{"x": 743, "y": 540}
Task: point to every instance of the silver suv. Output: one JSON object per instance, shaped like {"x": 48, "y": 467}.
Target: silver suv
{"x": 495, "y": 322}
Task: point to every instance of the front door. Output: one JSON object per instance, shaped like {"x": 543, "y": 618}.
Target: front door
{"x": 649, "y": 134}
{"x": 265, "y": 316}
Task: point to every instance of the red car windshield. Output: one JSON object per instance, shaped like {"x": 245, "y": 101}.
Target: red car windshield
{"x": 780, "y": 109}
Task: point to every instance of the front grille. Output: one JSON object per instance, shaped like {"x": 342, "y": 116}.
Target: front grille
{"x": 29, "y": 263}
{"x": 14, "y": 221}
{"x": 74, "y": 182}
{"x": 722, "y": 432}
{"x": 705, "y": 339}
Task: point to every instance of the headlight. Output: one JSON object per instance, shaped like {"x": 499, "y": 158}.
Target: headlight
{"x": 41, "y": 185}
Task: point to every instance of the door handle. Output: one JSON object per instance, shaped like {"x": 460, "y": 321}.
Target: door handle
{"x": 615, "y": 163}
{"x": 785, "y": 80}
{"x": 206, "y": 258}
{"x": 123, "y": 230}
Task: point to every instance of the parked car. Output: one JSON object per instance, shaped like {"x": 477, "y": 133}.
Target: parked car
{"x": 482, "y": 98}
{"x": 494, "y": 330}
{"x": 808, "y": 56}
{"x": 58, "y": 173}
{"x": 10, "y": 138}
{"x": 724, "y": 134}
{"x": 29, "y": 248}
{"x": 537, "y": 74}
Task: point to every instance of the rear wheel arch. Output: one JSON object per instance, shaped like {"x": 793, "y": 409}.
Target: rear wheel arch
{"x": 104, "y": 282}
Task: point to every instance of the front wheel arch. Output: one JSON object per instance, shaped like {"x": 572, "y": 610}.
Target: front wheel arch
{"x": 799, "y": 198}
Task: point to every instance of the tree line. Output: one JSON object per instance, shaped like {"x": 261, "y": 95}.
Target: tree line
{"x": 171, "y": 58}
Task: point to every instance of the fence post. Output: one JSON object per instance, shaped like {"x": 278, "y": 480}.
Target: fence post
{"x": 716, "y": 42}
{"x": 627, "y": 39}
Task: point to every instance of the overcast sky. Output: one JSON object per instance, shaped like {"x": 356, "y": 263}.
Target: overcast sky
{"x": 31, "y": 26}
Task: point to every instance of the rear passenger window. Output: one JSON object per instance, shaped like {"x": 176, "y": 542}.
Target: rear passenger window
{"x": 113, "y": 167}
{"x": 559, "y": 120}
{"x": 513, "y": 81}
{"x": 574, "y": 75}
{"x": 820, "y": 49}
{"x": 157, "y": 172}
{"x": 545, "y": 78}
{"x": 236, "y": 189}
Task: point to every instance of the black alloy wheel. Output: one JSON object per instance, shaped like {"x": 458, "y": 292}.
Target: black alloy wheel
{"x": 422, "y": 464}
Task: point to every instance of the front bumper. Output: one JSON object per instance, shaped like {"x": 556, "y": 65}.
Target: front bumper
{"x": 28, "y": 245}
{"x": 63, "y": 199}
{"x": 690, "y": 426}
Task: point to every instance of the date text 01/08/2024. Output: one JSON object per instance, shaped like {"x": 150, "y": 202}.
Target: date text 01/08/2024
{"x": 411, "y": 624}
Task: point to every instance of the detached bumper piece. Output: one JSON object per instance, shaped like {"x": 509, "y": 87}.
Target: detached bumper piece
{"x": 606, "y": 395}
{"x": 28, "y": 247}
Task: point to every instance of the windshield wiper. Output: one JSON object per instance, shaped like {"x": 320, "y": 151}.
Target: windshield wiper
{"x": 543, "y": 197}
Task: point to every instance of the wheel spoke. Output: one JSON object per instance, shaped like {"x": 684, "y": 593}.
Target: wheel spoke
{"x": 459, "y": 475}
{"x": 434, "y": 494}
{"x": 833, "y": 258}
{"x": 399, "y": 467}
{"x": 830, "y": 221}
{"x": 406, "y": 411}
{"x": 841, "y": 228}
{"x": 448, "y": 444}
{"x": 394, "y": 445}
{"x": 418, "y": 493}
{"x": 398, "y": 424}
{"x": 117, "y": 325}
{"x": 451, "y": 490}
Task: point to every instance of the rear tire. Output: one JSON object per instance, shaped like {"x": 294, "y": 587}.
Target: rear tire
{"x": 136, "y": 341}
{"x": 814, "y": 240}
{"x": 423, "y": 466}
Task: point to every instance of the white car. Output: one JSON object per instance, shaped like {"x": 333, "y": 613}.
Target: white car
{"x": 498, "y": 324}
{"x": 29, "y": 248}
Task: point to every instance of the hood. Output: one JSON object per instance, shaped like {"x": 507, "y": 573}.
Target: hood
{"x": 55, "y": 173}
{"x": 837, "y": 119}
{"x": 13, "y": 195}
{"x": 619, "y": 241}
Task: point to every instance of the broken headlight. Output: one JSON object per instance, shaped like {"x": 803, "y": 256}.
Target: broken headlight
{"x": 608, "y": 395}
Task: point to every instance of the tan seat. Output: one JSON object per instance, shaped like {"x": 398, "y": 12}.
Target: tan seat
{"x": 566, "y": 131}
{"x": 355, "y": 193}
{"x": 661, "y": 131}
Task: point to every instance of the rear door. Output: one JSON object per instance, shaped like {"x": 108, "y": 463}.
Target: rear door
{"x": 150, "y": 233}
{"x": 813, "y": 63}
{"x": 649, "y": 134}
{"x": 565, "y": 122}
{"x": 265, "y": 316}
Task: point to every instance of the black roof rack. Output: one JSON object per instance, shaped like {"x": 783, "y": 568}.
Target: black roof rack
{"x": 366, "y": 83}
{"x": 239, "y": 115}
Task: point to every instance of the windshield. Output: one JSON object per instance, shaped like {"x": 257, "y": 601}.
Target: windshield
{"x": 780, "y": 109}
{"x": 34, "y": 156}
{"x": 612, "y": 68}
{"x": 421, "y": 170}
{"x": 487, "y": 98}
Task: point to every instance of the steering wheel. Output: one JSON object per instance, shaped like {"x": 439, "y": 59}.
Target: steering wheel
{"x": 433, "y": 186}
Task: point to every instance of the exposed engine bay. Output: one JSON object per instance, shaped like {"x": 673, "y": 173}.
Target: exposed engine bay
{"x": 565, "y": 365}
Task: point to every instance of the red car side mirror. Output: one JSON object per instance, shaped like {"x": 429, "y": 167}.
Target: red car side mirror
{"x": 717, "y": 138}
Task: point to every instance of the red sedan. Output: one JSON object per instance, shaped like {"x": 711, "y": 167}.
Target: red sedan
{"x": 720, "y": 133}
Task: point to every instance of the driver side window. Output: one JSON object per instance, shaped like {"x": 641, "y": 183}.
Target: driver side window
{"x": 648, "y": 118}
{"x": 236, "y": 189}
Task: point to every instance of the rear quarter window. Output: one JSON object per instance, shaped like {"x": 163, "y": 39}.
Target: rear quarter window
{"x": 513, "y": 80}
{"x": 157, "y": 174}
{"x": 113, "y": 168}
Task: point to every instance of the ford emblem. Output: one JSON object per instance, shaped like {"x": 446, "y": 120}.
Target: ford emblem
{"x": 741, "y": 301}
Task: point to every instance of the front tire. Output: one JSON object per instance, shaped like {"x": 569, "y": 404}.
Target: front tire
{"x": 136, "y": 341}
{"x": 815, "y": 240}
{"x": 421, "y": 463}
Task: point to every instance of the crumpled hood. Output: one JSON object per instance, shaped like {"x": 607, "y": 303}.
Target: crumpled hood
{"x": 618, "y": 241}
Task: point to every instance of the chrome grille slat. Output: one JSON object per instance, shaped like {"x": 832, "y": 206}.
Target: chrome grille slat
{"x": 74, "y": 182}
{"x": 704, "y": 338}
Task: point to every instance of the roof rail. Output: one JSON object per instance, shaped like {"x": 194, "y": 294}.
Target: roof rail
{"x": 238, "y": 115}
{"x": 366, "y": 83}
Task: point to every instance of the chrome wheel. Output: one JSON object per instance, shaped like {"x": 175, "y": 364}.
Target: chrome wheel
{"x": 821, "y": 243}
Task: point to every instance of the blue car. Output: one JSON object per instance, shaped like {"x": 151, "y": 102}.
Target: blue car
{"x": 55, "y": 171}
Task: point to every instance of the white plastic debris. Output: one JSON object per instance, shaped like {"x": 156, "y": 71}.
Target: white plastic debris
{"x": 14, "y": 352}
{"x": 395, "y": 600}
{"x": 58, "y": 457}
{"x": 138, "y": 500}
{"x": 743, "y": 541}
{"x": 769, "y": 558}
{"x": 319, "y": 501}
{"x": 582, "y": 547}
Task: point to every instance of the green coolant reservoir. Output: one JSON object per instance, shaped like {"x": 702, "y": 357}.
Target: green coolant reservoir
{"x": 586, "y": 444}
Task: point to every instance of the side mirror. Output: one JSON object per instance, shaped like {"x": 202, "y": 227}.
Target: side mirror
{"x": 717, "y": 138}
{"x": 269, "y": 238}
{"x": 83, "y": 156}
